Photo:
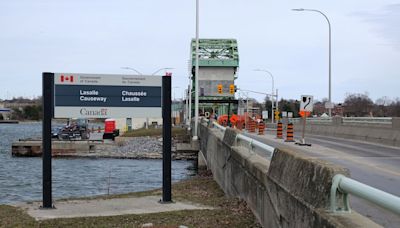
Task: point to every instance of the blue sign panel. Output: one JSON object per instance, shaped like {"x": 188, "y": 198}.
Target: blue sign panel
{"x": 103, "y": 96}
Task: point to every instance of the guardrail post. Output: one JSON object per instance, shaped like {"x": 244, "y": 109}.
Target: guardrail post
{"x": 346, "y": 185}
{"x": 334, "y": 197}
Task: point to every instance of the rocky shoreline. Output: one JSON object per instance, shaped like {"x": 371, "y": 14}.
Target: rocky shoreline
{"x": 122, "y": 148}
{"x": 141, "y": 148}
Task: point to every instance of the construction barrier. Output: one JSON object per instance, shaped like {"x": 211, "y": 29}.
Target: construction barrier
{"x": 289, "y": 133}
{"x": 261, "y": 127}
{"x": 252, "y": 125}
{"x": 239, "y": 125}
{"x": 279, "y": 130}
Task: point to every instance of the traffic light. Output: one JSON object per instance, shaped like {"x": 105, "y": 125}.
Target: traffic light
{"x": 231, "y": 88}
{"x": 277, "y": 115}
{"x": 219, "y": 88}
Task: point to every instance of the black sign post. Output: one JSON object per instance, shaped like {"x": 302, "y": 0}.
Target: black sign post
{"x": 166, "y": 115}
{"x": 48, "y": 95}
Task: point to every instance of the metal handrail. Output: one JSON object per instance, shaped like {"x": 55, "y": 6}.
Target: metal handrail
{"x": 347, "y": 186}
{"x": 252, "y": 144}
{"x": 255, "y": 144}
{"x": 219, "y": 127}
{"x": 205, "y": 120}
{"x": 368, "y": 120}
{"x": 361, "y": 120}
{"x": 314, "y": 119}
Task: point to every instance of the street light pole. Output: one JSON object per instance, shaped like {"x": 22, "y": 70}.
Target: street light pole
{"x": 173, "y": 88}
{"x": 196, "y": 100}
{"x": 165, "y": 68}
{"x": 185, "y": 96}
{"x": 272, "y": 93}
{"x": 190, "y": 104}
{"x": 330, "y": 54}
{"x": 131, "y": 68}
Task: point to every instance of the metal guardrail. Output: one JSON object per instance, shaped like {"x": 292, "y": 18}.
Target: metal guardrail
{"x": 368, "y": 120}
{"x": 204, "y": 120}
{"x": 254, "y": 145}
{"x": 313, "y": 120}
{"x": 251, "y": 144}
{"x": 359, "y": 120}
{"x": 347, "y": 186}
{"x": 219, "y": 127}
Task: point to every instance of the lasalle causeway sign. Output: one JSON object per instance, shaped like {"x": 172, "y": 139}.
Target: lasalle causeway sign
{"x": 103, "y": 96}
{"x": 68, "y": 95}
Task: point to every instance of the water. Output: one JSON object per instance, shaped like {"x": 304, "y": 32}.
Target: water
{"x": 21, "y": 178}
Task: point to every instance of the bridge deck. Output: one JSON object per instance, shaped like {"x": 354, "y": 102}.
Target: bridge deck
{"x": 373, "y": 164}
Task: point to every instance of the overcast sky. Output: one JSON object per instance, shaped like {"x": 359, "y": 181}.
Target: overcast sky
{"x": 99, "y": 36}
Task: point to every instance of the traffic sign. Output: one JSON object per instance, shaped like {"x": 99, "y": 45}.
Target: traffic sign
{"x": 265, "y": 115}
{"x": 233, "y": 119}
{"x": 329, "y": 105}
{"x": 304, "y": 113}
{"x": 306, "y": 103}
{"x": 284, "y": 114}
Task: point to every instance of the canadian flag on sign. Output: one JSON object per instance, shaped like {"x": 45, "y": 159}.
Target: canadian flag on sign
{"x": 67, "y": 78}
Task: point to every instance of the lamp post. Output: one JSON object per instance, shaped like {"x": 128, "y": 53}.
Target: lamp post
{"x": 131, "y": 68}
{"x": 196, "y": 99}
{"x": 272, "y": 92}
{"x": 185, "y": 96}
{"x": 155, "y": 72}
{"x": 190, "y": 104}
{"x": 330, "y": 54}
{"x": 174, "y": 88}
{"x": 164, "y": 68}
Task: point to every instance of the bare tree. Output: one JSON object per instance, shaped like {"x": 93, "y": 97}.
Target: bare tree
{"x": 358, "y": 105}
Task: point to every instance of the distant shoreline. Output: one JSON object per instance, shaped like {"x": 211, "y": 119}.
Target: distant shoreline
{"x": 9, "y": 121}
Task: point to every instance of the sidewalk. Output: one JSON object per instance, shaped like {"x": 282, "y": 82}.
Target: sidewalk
{"x": 107, "y": 207}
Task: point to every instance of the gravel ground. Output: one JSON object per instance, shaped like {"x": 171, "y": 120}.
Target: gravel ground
{"x": 136, "y": 148}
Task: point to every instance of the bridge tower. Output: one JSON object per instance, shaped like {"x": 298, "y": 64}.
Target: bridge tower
{"x": 218, "y": 64}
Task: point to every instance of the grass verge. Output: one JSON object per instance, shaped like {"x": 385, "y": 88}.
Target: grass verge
{"x": 228, "y": 212}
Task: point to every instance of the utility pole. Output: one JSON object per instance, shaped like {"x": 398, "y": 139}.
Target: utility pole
{"x": 196, "y": 101}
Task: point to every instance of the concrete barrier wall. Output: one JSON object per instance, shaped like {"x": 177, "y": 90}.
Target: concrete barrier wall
{"x": 290, "y": 191}
{"x": 388, "y": 134}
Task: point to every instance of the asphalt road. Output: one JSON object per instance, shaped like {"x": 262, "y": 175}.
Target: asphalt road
{"x": 372, "y": 164}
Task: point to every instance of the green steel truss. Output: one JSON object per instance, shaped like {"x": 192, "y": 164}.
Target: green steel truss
{"x": 216, "y": 52}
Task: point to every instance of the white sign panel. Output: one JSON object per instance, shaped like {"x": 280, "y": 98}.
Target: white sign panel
{"x": 265, "y": 115}
{"x": 306, "y": 103}
{"x": 329, "y": 105}
{"x": 104, "y": 96}
{"x": 290, "y": 114}
{"x": 284, "y": 114}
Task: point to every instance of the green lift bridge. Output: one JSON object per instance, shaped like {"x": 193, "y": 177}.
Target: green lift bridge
{"x": 218, "y": 64}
